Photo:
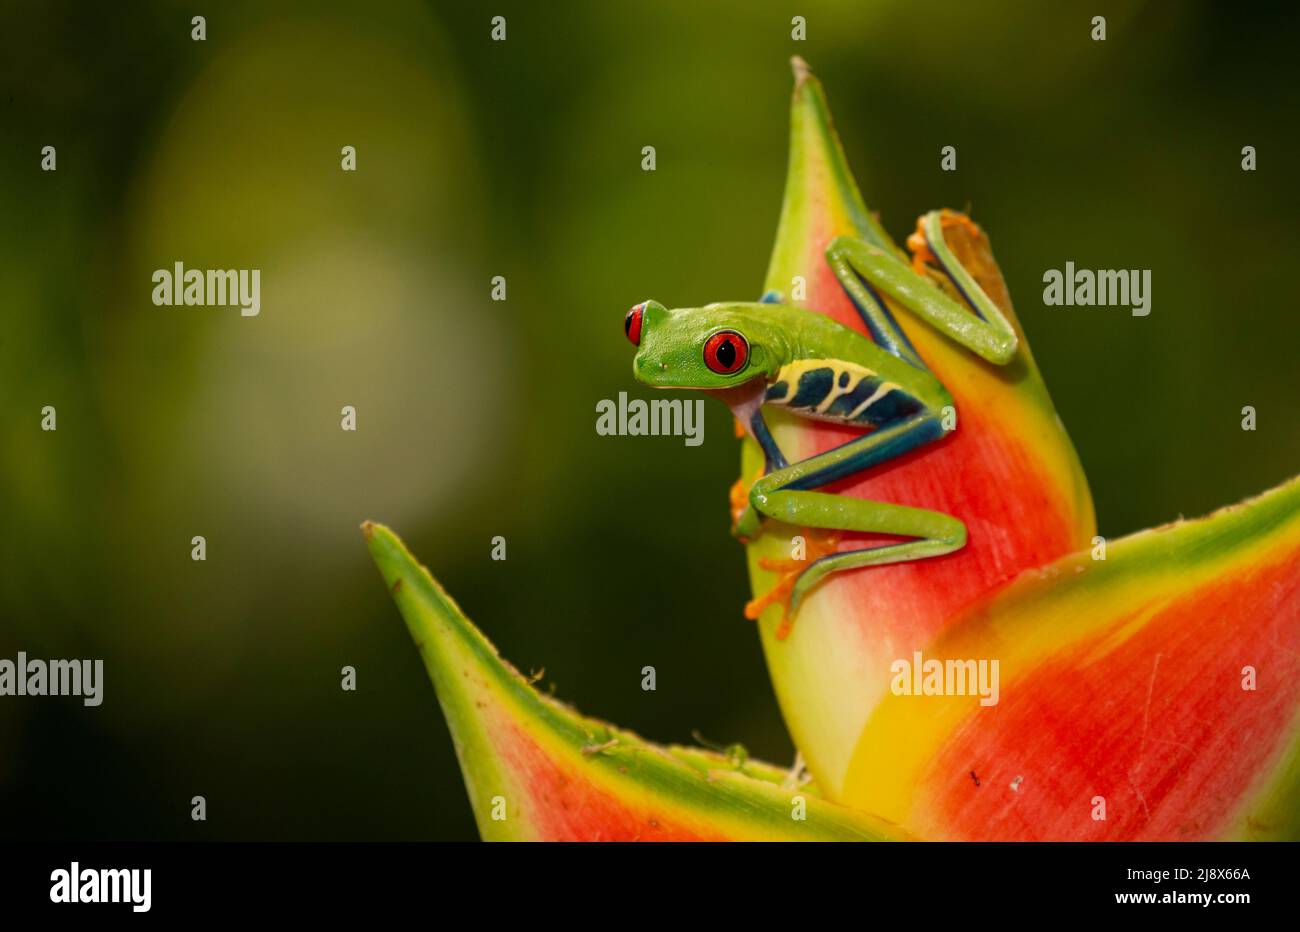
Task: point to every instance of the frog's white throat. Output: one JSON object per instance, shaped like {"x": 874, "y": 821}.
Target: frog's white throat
{"x": 743, "y": 400}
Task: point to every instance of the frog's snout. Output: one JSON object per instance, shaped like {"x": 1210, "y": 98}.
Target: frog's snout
{"x": 645, "y": 368}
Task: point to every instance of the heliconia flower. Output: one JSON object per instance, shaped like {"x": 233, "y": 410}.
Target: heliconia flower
{"x": 1040, "y": 683}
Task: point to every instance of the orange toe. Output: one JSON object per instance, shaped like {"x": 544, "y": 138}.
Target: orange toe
{"x": 817, "y": 544}
{"x": 920, "y": 247}
{"x": 739, "y": 495}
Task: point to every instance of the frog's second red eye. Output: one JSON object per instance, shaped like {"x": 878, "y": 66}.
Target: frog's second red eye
{"x": 632, "y": 323}
{"x": 726, "y": 352}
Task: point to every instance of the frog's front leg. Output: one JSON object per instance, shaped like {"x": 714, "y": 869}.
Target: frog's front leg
{"x": 787, "y": 495}
{"x": 746, "y": 520}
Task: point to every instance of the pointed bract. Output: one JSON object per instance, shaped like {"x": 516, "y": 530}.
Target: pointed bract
{"x": 535, "y": 769}
{"x": 1008, "y": 471}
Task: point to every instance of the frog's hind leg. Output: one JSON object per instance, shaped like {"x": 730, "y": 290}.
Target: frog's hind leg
{"x": 866, "y": 271}
{"x": 929, "y": 246}
{"x": 935, "y": 534}
{"x": 788, "y": 495}
{"x": 871, "y": 307}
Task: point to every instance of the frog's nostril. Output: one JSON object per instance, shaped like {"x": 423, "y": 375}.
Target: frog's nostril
{"x": 632, "y": 323}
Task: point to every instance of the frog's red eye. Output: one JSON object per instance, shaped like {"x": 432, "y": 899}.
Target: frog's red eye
{"x": 726, "y": 352}
{"x": 632, "y": 323}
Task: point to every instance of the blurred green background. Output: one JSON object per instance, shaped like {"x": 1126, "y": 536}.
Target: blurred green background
{"x": 476, "y": 418}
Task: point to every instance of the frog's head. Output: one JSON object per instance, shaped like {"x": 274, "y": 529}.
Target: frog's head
{"x": 719, "y": 346}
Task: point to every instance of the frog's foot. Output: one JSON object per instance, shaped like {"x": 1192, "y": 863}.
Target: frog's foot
{"x": 817, "y": 544}
{"x": 920, "y": 248}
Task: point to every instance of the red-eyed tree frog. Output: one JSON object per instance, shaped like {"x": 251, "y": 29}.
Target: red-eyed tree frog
{"x": 769, "y": 353}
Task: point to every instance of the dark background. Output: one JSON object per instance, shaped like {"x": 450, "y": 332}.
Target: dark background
{"x": 477, "y": 418}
